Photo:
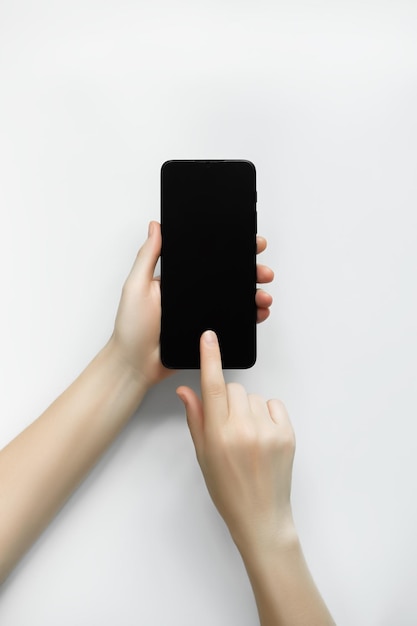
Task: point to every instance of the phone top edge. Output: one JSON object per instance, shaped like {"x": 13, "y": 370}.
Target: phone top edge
{"x": 169, "y": 161}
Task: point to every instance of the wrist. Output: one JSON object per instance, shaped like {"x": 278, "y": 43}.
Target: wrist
{"x": 263, "y": 538}
{"x": 134, "y": 380}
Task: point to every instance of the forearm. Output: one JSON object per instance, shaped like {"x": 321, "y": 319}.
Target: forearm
{"x": 42, "y": 466}
{"x": 284, "y": 589}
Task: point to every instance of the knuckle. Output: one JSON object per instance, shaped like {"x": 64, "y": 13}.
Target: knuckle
{"x": 270, "y": 440}
{"x": 241, "y": 437}
{"x": 278, "y": 445}
{"x": 287, "y": 441}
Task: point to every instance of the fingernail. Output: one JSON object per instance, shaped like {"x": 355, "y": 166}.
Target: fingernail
{"x": 150, "y": 229}
{"x": 210, "y": 337}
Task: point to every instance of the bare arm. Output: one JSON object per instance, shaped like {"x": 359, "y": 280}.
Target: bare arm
{"x": 43, "y": 465}
{"x": 245, "y": 447}
{"x": 284, "y": 589}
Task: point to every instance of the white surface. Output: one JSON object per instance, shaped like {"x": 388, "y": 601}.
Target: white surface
{"x": 322, "y": 96}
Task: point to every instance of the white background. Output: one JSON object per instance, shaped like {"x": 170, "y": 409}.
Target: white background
{"x": 322, "y": 97}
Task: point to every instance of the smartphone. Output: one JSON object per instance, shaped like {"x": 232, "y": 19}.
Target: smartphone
{"x": 208, "y": 260}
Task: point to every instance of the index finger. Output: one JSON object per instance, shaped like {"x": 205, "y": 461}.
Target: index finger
{"x": 213, "y": 386}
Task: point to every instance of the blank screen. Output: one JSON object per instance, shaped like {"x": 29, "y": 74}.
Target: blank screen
{"x": 208, "y": 260}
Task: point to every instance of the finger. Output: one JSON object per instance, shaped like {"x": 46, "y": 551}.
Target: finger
{"x": 279, "y": 415}
{"x": 261, "y": 244}
{"x": 238, "y": 400}
{"x": 258, "y": 407}
{"x": 213, "y": 387}
{"x": 194, "y": 413}
{"x": 278, "y": 411}
{"x": 263, "y": 299}
{"x": 264, "y": 274}
{"x": 147, "y": 257}
{"x": 262, "y": 315}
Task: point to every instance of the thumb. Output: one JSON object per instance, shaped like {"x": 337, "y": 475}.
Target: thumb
{"x": 195, "y": 415}
{"x": 147, "y": 257}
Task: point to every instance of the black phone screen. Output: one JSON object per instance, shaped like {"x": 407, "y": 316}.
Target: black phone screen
{"x": 208, "y": 261}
